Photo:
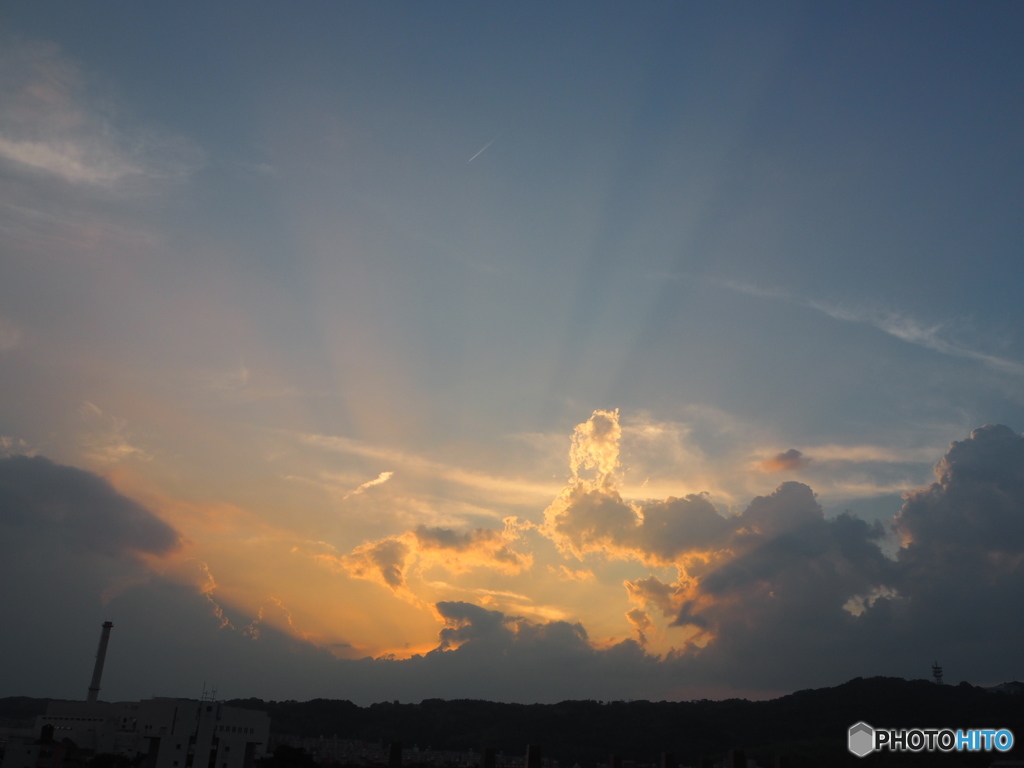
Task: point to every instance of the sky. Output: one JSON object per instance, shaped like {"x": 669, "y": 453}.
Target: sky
{"x": 515, "y": 351}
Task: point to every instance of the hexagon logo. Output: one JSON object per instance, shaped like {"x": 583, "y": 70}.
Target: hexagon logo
{"x": 861, "y": 739}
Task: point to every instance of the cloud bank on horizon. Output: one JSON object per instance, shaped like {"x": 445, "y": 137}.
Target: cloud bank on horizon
{"x": 774, "y": 597}
{"x": 315, "y": 387}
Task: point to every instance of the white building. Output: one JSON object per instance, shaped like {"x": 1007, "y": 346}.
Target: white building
{"x": 170, "y": 733}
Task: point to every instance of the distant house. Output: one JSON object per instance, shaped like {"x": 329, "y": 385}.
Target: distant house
{"x": 161, "y": 733}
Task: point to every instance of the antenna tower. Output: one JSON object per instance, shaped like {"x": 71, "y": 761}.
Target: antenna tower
{"x": 937, "y": 673}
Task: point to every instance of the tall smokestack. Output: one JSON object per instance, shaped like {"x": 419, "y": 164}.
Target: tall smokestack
{"x": 101, "y": 655}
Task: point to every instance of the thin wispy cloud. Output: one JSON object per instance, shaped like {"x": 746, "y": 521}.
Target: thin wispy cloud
{"x": 241, "y": 384}
{"x": 913, "y": 331}
{"x": 106, "y": 439}
{"x": 874, "y": 453}
{"x": 382, "y": 478}
{"x": 511, "y": 488}
{"x": 897, "y": 324}
{"x": 51, "y": 125}
{"x": 69, "y": 160}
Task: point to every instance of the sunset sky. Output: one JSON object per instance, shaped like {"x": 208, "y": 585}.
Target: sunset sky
{"x": 512, "y": 350}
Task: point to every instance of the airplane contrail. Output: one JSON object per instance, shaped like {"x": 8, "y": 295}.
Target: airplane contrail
{"x": 482, "y": 149}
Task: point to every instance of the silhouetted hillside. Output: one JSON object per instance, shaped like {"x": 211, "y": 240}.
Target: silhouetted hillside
{"x": 809, "y": 726}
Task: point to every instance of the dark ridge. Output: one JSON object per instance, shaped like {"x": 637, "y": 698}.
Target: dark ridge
{"x": 807, "y": 727}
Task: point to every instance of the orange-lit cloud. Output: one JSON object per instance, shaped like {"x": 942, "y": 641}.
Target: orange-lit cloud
{"x": 590, "y": 516}
{"x": 207, "y": 585}
{"x": 388, "y": 561}
{"x": 573, "y": 574}
{"x": 787, "y": 461}
{"x": 480, "y": 548}
{"x": 641, "y": 622}
{"x": 595, "y": 446}
{"x": 383, "y": 561}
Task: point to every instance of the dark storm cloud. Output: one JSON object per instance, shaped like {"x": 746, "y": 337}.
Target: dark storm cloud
{"x": 977, "y": 501}
{"x": 512, "y": 658}
{"x": 962, "y": 566}
{"x": 68, "y": 546}
{"x": 167, "y": 641}
{"x": 809, "y": 600}
{"x": 677, "y": 526}
{"x": 778, "y": 588}
{"x": 78, "y": 509}
{"x": 465, "y": 622}
{"x": 787, "y": 595}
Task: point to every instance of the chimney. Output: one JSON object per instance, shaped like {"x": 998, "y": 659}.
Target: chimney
{"x": 101, "y": 655}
